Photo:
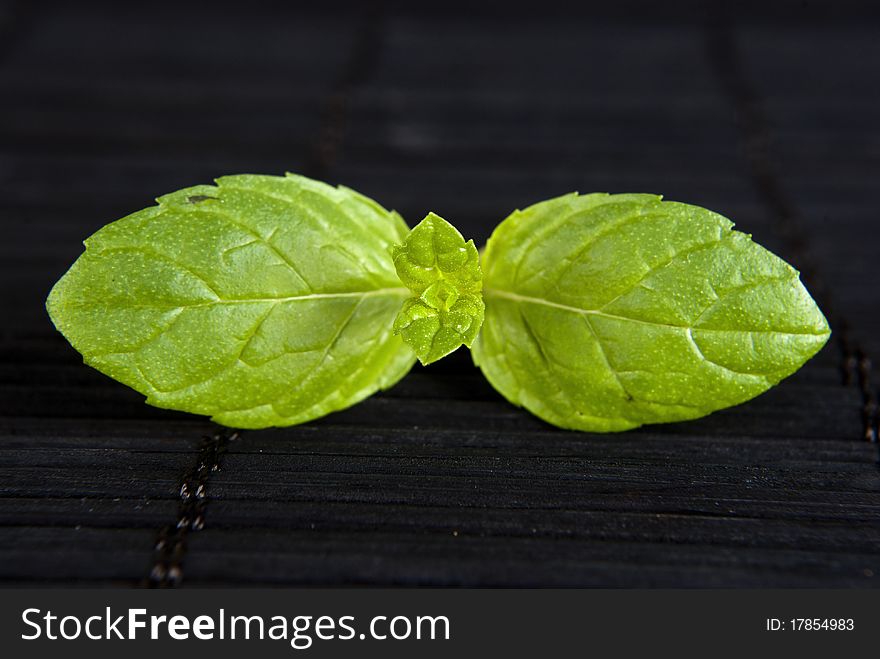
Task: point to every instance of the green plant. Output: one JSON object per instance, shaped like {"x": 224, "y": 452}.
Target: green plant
{"x": 267, "y": 300}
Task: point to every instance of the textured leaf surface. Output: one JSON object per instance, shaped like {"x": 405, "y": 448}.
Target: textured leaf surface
{"x": 260, "y": 301}
{"x": 443, "y": 272}
{"x": 604, "y": 312}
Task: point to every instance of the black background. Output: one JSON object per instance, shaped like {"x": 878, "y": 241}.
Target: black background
{"x": 768, "y": 115}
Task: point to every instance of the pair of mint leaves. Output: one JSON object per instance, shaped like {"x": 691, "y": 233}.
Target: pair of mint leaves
{"x": 269, "y": 301}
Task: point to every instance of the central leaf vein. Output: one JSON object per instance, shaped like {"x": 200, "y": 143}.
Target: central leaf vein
{"x": 515, "y": 297}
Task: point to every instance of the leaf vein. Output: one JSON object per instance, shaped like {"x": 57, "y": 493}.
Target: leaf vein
{"x": 230, "y": 219}
{"x": 701, "y": 355}
{"x": 396, "y": 291}
{"x": 737, "y": 289}
{"x": 140, "y": 249}
{"x": 604, "y": 354}
{"x": 515, "y": 297}
{"x": 246, "y": 342}
{"x": 677, "y": 255}
{"x": 595, "y": 238}
{"x": 293, "y": 201}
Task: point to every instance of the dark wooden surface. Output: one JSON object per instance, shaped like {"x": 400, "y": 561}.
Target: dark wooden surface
{"x": 771, "y": 120}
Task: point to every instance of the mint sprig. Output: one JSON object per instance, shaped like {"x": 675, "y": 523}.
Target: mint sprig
{"x": 269, "y": 301}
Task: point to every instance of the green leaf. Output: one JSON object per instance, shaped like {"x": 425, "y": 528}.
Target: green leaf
{"x": 260, "y": 301}
{"x": 443, "y": 272}
{"x": 604, "y": 312}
